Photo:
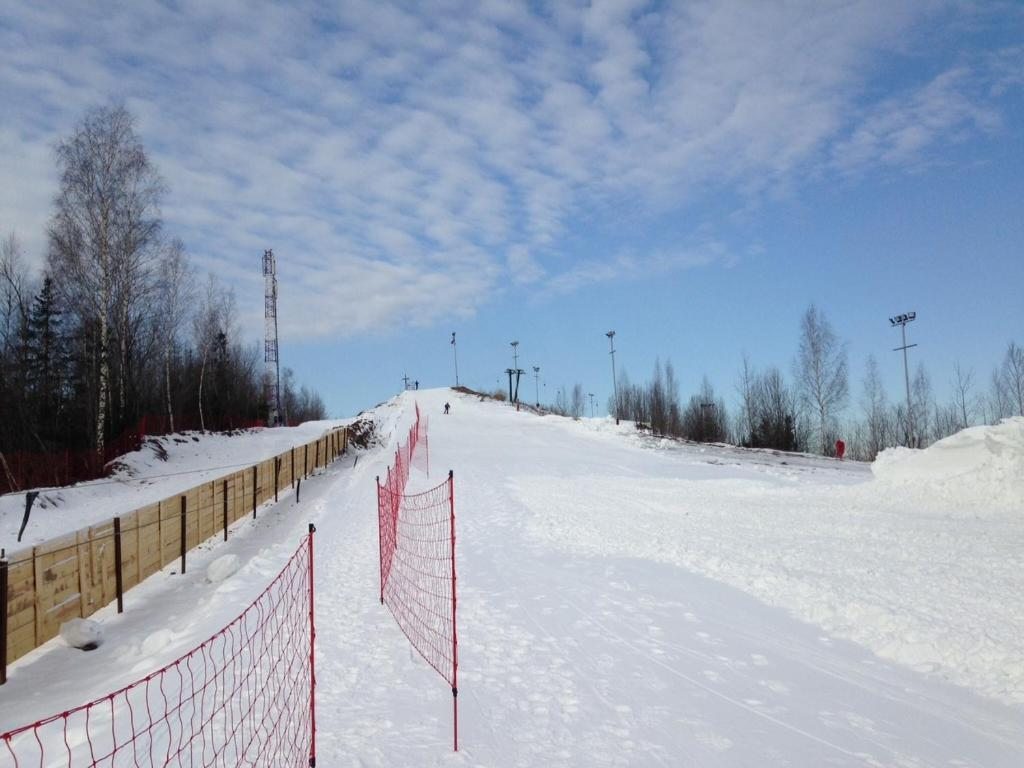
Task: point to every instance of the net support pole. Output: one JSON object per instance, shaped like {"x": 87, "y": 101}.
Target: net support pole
{"x": 312, "y": 658}
{"x": 380, "y": 544}
{"x": 455, "y": 640}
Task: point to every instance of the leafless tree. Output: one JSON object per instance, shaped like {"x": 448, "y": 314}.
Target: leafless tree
{"x": 577, "y": 404}
{"x": 175, "y": 289}
{"x": 922, "y": 402}
{"x": 821, "y": 374}
{"x": 212, "y": 323}
{"x": 1011, "y": 374}
{"x": 705, "y": 418}
{"x": 15, "y": 291}
{"x": 746, "y": 388}
{"x": 873, "y": 404}
{"x": 105, "y": 225}
{"x": 964, "y": 403}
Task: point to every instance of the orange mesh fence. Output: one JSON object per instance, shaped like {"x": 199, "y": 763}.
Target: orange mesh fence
{"x": 243, "y": 697}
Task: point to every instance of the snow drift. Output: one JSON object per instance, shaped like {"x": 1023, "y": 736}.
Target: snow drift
{"x": 979, "y": 463}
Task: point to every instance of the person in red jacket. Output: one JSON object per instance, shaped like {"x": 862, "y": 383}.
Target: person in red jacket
{"x": 840, "y": 449}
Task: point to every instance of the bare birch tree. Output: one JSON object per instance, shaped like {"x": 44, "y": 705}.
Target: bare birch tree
{"x": 175, "y": 287}
{"x": 873, "y": 404}
{"x": 105, "y": 223}
{"x": 821, "y": 373}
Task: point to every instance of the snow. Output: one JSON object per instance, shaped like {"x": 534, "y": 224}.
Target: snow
{"x": 162, "y": 467}
{"x": 625, "y": 600}
{"x": 975, "y": 464}
{"x": 83, "y": 634}
{"x": 222, "y": 568}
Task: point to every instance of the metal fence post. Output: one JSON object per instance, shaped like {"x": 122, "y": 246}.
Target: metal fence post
{"x": 184, "y": 545}
{"x": 118, "y": 577}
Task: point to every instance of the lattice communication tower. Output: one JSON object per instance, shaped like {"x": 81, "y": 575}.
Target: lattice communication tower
{"x": 270, "y": 357}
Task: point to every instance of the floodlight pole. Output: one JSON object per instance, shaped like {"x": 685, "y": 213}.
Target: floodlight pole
{"x": 615, "y": 384}
{"x": 515, "y": 367}
{"x": 405, "y": 380}
{"x": 901, "y": 321}
{"x": 455, "y": 355}
{"x": 536, "y": 383}
{"x": 591, "y": 395}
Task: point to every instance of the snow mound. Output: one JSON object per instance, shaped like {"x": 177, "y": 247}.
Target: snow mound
{"x": 222, "y": 568}
{"x": 982, "y": 463}
{"x": 82, "y": 633}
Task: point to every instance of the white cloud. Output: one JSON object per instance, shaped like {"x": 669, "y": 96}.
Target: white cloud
{"x": 395, "y": 155}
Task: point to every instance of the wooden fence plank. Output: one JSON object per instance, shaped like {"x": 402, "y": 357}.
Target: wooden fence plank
{"x": 129, "y": 550}
{"x": 148, "y": 527}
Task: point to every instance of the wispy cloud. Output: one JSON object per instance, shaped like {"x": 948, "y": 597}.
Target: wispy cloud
{"x": 394, "y": 154}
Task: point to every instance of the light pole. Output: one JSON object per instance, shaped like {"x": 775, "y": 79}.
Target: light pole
{"x": 517, "y": 371}
{"x": 536, "y": 383}
{"x": 615, "y": 384}
{"x": 455, "y": 355}
{"x": 901, "y": 321}
{"x": 591, "y": 394}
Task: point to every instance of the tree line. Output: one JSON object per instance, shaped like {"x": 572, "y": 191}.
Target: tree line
{"x": 118, "y": 325}
{"x": 814, "y": 407}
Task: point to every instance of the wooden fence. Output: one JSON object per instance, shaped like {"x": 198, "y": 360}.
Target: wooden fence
{"x": 76, "y": 574}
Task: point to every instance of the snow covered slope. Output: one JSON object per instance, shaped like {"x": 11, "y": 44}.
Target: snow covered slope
{"x": 162, "y": 467}
{"x": 628, "y": 602}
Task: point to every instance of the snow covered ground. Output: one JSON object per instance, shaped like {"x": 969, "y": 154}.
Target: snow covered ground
{"x": 162, "y": 467}
{"x": 630, "y": 601}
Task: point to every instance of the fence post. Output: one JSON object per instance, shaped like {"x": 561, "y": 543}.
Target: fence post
{"x": 380, "y": 544}
{"x": 254, "y": 493}
{"x": 118, "y": 578}
{"x": 316, "y": 459}
{"x": 3, "y": 616}
{"x": 305, "y": 460}
{"x": 455, "y": 642}
{"x": 293, "y": 467}
{"x": 298, "y": 490}
{"x": 312, "y": 657}
{"x": 277, "y": 473}
{"x": 184, "y": 546}
{"x": 225, "y": 510}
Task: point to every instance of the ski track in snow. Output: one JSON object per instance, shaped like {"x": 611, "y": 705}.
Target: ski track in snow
{"x": 589, "y": 631}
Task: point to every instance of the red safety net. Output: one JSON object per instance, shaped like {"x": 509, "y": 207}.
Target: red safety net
{"x": 417, "y": 564}
{"x": 243, "y": 697}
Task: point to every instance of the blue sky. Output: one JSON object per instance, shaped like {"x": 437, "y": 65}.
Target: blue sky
{"x": 691, "y": 174}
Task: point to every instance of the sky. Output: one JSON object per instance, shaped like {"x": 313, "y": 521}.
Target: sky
{"x": 692, "y": 175}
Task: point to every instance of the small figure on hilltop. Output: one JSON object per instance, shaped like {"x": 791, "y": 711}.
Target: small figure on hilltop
{"x": 840, "y": 449}
{"x": 416, "y": 385}
{"x": 446, "y": 407}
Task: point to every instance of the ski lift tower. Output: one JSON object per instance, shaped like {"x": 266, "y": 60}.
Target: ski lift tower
{"x": 273, "y": 367}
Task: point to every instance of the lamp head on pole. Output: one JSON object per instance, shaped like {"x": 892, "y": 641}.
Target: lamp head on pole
{"x": 903, "y": 319}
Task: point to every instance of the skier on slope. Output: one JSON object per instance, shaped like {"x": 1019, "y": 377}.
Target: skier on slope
{"x": 840, "y": 449}
{"x": 446, "y": 407}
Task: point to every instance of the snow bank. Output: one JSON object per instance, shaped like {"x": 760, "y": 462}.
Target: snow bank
{"x": 222, "y": 568}
{"x": 979, "y": 463}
